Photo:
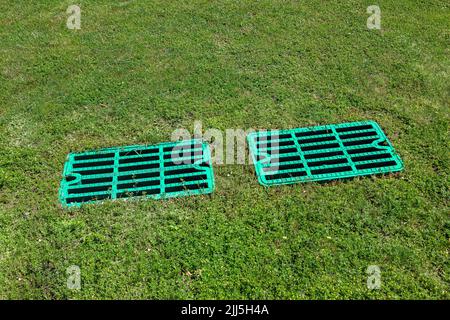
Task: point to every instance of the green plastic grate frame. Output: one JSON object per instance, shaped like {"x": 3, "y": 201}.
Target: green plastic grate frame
{"x": 322, "y": 153}
{"x": 165, "y": 170}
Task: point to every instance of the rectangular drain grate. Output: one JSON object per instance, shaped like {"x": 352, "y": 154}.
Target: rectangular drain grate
{"x": 156, "y": 171}
{"x": 322, "y": 153}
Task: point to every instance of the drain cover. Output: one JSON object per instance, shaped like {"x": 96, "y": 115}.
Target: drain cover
{"x": 156, "y": 171}
{"x": 322, "y": 153}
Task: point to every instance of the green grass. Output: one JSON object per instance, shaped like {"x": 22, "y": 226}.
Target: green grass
{"x": 139, "y": 69}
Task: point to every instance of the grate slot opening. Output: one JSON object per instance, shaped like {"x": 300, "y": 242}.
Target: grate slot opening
{"x": 284, "y": 159}
{"x": 358, "y": 135}
{"x": 70, "y": 178}
{"x": 182, "y": 147}
{"x": 284, "y": 167}
{"x": 187, "y": 187}
{"x": 96, "y": 180}
{"x": 184, "y": 161}
{"x": 183, "y": 154}
{"x": 138, "y": 152}
{"x": 323, "y": 155}
{"x": 277, "y": 144}
{"x": 280, "y": 151}
{"x": 372, "y": 157}
{"x": 93, "y": 164}
{"x": 138, "y": 159}
{"x": 327, "y": 162}
{"x": 94, "y": 172}
{"x": 313, "y": 133}
{"x": 185, "y": 179}
{"x": 137, "y": 176}
{"x": 315, "y": 140}
{"x": 271, "y": 137}
{"x": 355, "y": 128}
{"x": 362, "y": 150}
{"x": 376, "y": 165}
{"x": 331, "y": 170}
{"x": 358, "y": 142}
{"x": 138, "y": 193}
{"x": 94, "y": 156}
{"x": 139, "y": 184}
{"x": 286, "y": 175}
{"x": 88, "y": 189}
{"x": 139, "y": 167}
{"x": 88, "y": 198}
{"x": 181, "y": 171}
{"x": 320, "y": 147}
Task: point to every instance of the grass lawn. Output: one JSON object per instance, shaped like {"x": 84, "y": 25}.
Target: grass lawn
{"x": 137, "y": 70}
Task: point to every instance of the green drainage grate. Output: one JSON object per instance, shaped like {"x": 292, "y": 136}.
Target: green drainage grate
{"x": 322, "y": 153}
{"x": 156, "y": 171}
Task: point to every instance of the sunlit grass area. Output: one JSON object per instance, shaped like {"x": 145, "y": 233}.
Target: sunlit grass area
{"x": 137, "y": 70}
